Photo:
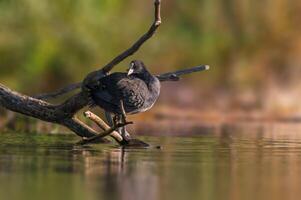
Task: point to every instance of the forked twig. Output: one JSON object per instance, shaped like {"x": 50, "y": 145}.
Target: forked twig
{"x": 101, "y": 124}
{"x": 107, "y": 129}
{"x": 132, "y": 143}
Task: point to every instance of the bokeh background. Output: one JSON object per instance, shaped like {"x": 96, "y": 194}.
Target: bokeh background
{"x": 252, "y": 46}
{"x": 254, "y": 50}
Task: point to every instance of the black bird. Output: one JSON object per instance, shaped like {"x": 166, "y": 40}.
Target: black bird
{"x": 127, "y": 93}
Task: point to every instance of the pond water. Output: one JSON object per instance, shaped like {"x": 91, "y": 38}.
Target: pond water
{"x": 228, "y": 162}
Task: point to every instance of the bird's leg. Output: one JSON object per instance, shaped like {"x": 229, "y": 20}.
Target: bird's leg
{"x": 109, "y": 118}
{"x": 126, "y": 136}
{"x": 114, "y": 120}
{"x": 123, "y": 114}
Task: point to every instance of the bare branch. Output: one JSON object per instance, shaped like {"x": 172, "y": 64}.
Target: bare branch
{"x": 80, "y": 128}
{"x": 61, "y": 114}
{"x": 58, "y": 93}
{"x": 100, "y": 136}
{"x": 103, "y": 125}
{"x": 175, "y": 76}
{"x": 132, "y": 143}
{"x": 107, "y": 130}
{"x": 135, "y": 47}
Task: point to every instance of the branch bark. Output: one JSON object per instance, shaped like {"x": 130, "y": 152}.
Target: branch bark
{"x": 59, "y": 92}
{"x": 101, "y": 124}
{"x": 132, "y": 143}
{"x": 175, "y": 76}
{"x": 61, "y": 114}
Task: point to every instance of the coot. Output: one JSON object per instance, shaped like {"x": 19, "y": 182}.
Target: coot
{"x": 127, "y": 93}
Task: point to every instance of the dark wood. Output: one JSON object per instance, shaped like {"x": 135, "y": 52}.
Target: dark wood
{"x": 175, "y": 76}
{"x": 61, "y": 114}
{"x": 59, "y": 92}
{"x": 98, "y": 137}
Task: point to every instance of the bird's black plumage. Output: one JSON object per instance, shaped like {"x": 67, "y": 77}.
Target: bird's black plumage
{"x": 138, "y": 90}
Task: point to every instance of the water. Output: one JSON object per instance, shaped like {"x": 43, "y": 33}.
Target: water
{"x": 228, "y": 162}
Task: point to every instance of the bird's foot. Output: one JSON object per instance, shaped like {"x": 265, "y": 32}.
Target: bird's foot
{"x": 134, "y": 143}
{"x": 121, "y": 120}
{"x": 123, "y": 124}
{"x": 124, "y": 134}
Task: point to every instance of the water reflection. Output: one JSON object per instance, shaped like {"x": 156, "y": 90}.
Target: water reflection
{"x": 233, "y": 162}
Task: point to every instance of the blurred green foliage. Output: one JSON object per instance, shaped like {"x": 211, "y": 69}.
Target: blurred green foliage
{"x": 45, "y": 44}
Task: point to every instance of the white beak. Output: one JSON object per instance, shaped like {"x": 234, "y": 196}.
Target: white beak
{"x": 131, "y": 70}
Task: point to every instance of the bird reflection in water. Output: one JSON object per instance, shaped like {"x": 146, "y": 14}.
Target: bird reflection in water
{"x": 115, "y": 174}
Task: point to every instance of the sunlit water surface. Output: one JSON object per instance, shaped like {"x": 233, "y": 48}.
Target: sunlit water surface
{"x": 229, "y": 162}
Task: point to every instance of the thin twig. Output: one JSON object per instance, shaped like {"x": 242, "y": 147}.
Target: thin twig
{"x": 175, "y": 76}
{"x": 135, "y": 47}
{"x": 101, "y": 124}
{"x": 132, "y": 143}
{"x": 97, "y": 137}
{"x": 58, "y": 93}
{"x": 107, "y": 130}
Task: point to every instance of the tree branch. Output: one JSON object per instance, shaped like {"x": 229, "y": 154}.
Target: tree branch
{"x": 101, "y": 124}
{"x": 80, "y": 128}
{"x": 175, "y": 76}
{"x": 135, "y": 47}
{"x": 61, "y": 114}
{"x": 100, "y": 136}
{"x": 94, "y": 76}
{"x": 132, "y": 143}
{"x": 59, "y": 92}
